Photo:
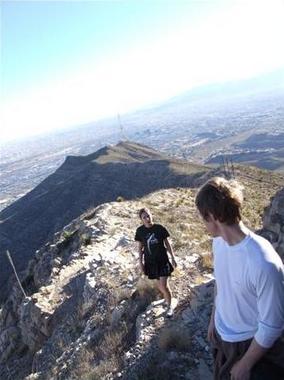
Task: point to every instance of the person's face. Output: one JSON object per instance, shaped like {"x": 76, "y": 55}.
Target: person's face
{"x": 146, "y": 218}
{"x": 211, "y": 225}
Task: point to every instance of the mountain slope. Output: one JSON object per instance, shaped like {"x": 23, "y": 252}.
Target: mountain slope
{"x": 89, "y": 314}
{"x": 126, "y": 170}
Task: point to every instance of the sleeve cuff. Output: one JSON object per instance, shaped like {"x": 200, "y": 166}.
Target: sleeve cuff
{"x": 266, "y": 335}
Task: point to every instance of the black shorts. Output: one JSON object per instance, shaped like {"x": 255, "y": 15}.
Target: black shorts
{"x": 156, "y": 270}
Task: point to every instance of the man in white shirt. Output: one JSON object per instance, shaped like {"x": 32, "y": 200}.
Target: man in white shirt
{"x": 247, "y": 320}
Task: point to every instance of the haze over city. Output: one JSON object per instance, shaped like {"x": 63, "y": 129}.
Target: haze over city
{"x": 66, "y": 63}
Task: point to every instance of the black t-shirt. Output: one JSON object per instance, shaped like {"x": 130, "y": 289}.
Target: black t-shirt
{"x": 152, "y": 239}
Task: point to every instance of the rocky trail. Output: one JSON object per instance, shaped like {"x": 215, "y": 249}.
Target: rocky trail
{"x": 84, "y": 284}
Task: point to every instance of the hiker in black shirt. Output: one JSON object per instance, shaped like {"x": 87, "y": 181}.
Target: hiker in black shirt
{"x": 153, "y": 245}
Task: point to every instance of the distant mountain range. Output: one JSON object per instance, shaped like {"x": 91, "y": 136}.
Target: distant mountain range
{"x": 210, "y": 122}
{"x": 205, "y": 97}
{"x": 127, "y": 170}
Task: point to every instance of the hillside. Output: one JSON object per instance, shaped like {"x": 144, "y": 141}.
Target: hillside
{"x": 127, "y": 170}
{"x": 89, "y": 314}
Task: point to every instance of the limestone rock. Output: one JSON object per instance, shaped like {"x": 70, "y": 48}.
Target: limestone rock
{"x": 34, "y": 324}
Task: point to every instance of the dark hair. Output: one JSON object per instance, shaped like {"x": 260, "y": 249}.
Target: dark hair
{"x": 144, "y": 209}
{"x": 222, "y": 198}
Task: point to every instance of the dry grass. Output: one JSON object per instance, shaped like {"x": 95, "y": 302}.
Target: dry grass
{"x": 85, "y": 365}
{"x": 107, "y": 350}
{"x": 260, "y": 186}
{"x": 198, "y": 279}
{"x": 146, "y": 289}
{"x": 174, "y": 338}
{"x": 103, "y": 370}
{"x": 104, "y": 355}
{"x": 122, "y": 294}
{"x": 88, "y": 368}
{"x": 206, "y": 261}
{"x": 112, "y": 342}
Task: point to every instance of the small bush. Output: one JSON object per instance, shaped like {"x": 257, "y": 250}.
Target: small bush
{"x": 104, "y": 369}
{"x": 146, "y": 290}
{"x": 122, "y": 294}
{"x": 174, "y": 338}
{"x": 112, "y": 341}
{"x": 206, "y": 245}
{"x": 206, "y": 261}
{"x": 86, "y": 239}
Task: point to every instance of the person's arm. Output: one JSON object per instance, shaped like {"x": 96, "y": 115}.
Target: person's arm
{"x": 141, "y": 256}
{"x": 270, "y": 304}
{"x": 241, "y": 369}
{"x": 211, "y": 326}
{"x": 170, "y": 250}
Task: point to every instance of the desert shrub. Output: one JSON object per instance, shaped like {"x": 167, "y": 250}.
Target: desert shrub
{"x": 86, "y": 239}
{"x": 175, "y": 338}
{"x": 103, "y": 370}
{"x": 146, "y": 290}
{"x": 122, "y": 294}
{"x": 67, "y": 234}
{"x": 67, "y": 237}
{"x": 153, "y": 369}
{"x": 206, "y": 245}
{"x": 206, "y": 261}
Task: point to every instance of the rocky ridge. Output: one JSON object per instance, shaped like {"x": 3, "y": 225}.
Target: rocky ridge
{"x": 86, "y": 298}
{"x": 89, "y": 314}
{"x": 127, "y": 170}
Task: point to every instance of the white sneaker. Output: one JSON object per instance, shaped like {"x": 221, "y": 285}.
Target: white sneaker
{"x": 158, "y": 302}
{"x": 170, "y": 312}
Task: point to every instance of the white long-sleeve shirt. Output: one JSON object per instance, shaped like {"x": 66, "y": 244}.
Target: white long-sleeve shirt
{"x": 250, "y": 290}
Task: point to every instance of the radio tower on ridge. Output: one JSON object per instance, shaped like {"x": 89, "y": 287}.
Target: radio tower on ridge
{"x": 123, "y": 135}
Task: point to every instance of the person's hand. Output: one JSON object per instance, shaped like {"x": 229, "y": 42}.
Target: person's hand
{"x": 210, "y": 332}
{"x": 240, "y": 371}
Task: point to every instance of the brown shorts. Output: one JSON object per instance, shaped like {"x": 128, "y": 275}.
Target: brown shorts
{"x": 226, "y": 354}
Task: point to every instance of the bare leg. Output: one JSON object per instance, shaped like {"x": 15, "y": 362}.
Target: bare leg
{"x": 165, "y": 289}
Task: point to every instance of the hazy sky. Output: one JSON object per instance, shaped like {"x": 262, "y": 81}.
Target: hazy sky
{"x": 65, "y": 63}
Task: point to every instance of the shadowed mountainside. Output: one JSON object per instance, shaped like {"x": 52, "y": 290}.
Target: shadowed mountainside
{"x": 127, "y": 170}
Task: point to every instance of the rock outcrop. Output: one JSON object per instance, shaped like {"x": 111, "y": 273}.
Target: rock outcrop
{"x": 273, "y": 222}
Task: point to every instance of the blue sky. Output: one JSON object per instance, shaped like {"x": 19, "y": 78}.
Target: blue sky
{"x": 65, "y": 63}
{"x": 40, "y": 38}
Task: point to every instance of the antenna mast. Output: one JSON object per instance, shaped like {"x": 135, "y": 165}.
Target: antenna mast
{"x": 121, "y": 127}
